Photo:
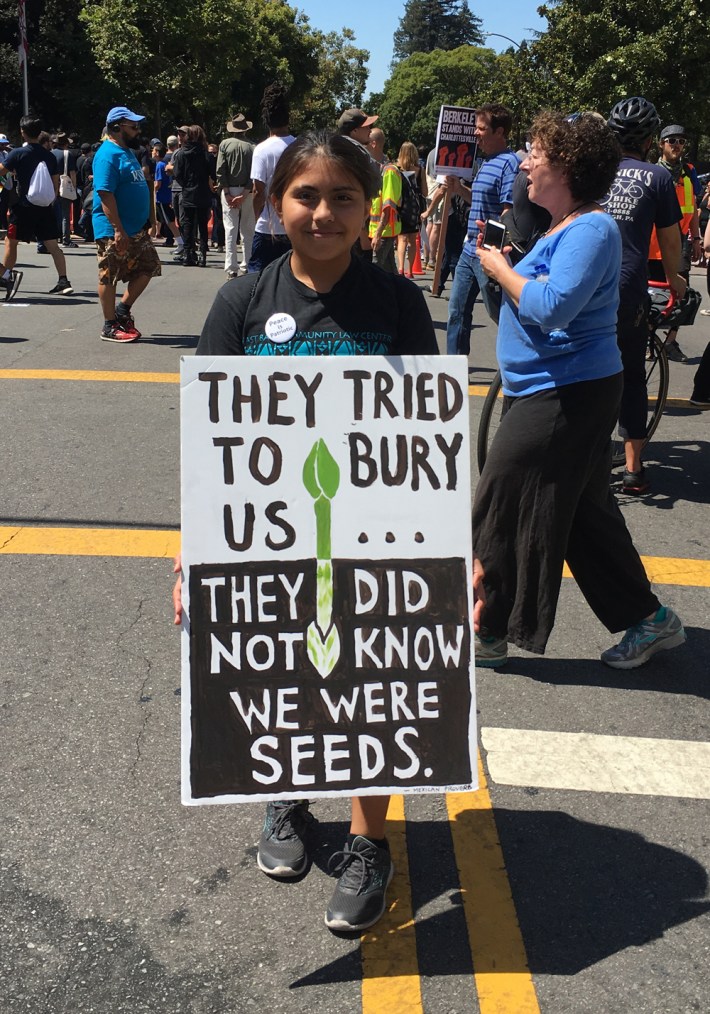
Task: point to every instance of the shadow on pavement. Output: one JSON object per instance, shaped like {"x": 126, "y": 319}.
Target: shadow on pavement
{"x": 186, "y": 341}
{"x": 680, "y": 671}
{"x": 41, "y": 521}
{"x": 586, "y": 891}
{"x": 38, "y": 299}
{"x": 679, "y": 472}
{"x": 582, "y": 892}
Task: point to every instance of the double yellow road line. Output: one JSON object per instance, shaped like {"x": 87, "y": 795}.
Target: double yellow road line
{"x": 391, "y": 982}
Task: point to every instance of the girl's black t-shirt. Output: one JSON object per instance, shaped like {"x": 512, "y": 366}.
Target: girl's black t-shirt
{"x": 368, "y": 312}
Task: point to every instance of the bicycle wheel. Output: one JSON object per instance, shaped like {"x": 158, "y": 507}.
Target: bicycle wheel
{"x": 490, "y": 420}
{"x": 657, "y": 377}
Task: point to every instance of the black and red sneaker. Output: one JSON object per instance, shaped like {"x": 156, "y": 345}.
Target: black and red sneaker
{"x": 115, "y": 333}
{"x": 126, "y": 322}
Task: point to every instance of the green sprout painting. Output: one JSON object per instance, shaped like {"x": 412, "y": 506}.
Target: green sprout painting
{"x": 321, "y": 477}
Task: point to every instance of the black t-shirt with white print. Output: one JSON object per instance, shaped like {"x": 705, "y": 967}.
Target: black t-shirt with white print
{"x": 367, "y": 312}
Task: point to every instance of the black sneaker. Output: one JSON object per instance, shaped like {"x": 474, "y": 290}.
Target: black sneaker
{"x": 70, "y": 245}
{"x": 699, "y": 402}
{"x": 10, "y": 285}
{"x": 675, "y": 353}
{"x": 364, "y": 873}
{"x": 62, "y": 288}
{"x": 282, "y": 849}
{"x": 635, "y": 482}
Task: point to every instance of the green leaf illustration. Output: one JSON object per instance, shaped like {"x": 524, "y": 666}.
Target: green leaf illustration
{"x": 323, "y": 652}
{"x": 321, "y": 478}
{"x": 321, "y": 475}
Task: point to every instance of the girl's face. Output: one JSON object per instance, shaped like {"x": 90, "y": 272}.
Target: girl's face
{"x": 323, "y": 210}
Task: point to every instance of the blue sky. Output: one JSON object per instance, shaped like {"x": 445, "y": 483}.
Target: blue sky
{"x": 374, "y": 23}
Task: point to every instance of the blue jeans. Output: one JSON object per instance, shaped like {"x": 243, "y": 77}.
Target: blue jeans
{"x": 469, "y": 280}
{"x": 266, "y": 248}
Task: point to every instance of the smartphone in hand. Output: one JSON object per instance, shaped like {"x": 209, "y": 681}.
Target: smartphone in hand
{"x": 493, "y": 235}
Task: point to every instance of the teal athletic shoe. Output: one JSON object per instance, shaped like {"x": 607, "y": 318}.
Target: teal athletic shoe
{"x": 644, "y": 639}
{"x": 490, "y": 652}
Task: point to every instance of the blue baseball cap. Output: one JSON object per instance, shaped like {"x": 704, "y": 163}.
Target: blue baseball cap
{"x": 122, "y": 113}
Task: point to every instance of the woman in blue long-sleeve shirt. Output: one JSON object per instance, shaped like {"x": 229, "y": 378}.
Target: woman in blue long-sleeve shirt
{"x": 544, "y": 494}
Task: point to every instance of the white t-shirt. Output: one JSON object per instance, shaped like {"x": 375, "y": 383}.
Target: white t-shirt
{"x": 263, "y": 163}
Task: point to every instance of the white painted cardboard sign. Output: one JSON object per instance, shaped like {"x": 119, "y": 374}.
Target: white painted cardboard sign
{"x": 456, "y": 145}
{"x": 327, "y": 644}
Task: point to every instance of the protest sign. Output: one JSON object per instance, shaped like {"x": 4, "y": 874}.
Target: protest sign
{"x": 456, "y": 146}
{"x": 326, "y": 549}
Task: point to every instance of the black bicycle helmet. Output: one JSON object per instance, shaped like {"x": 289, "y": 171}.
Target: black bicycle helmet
{"x": 634, "y": 121}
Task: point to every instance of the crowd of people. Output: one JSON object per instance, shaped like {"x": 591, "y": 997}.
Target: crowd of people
{"x": 329, "y": 228}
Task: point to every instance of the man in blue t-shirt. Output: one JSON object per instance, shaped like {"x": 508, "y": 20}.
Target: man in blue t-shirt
{"x": 642, "y": 196}
{"x": 491, "y": 197}
{"x": 121, "y": 215}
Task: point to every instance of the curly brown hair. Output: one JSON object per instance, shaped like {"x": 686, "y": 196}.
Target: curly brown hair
{"x": 585, "y": 149}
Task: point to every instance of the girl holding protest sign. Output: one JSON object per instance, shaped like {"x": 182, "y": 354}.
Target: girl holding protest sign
{"x": 320, "y": 300}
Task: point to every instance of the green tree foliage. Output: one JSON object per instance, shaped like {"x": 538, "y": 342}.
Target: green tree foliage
{"x": 339, "y": 83}
{"x": 66, "y": 87}
{"x": 596, "y": 52}
{"x": 427, "y": 25}
{"x": 198, "y": 60}
{"x": 409, "y": 105}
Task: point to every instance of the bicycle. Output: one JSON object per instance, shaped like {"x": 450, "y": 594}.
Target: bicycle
{"x": 665, "y": 310}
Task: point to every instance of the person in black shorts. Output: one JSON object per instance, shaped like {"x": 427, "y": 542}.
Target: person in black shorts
{"x": 28, "y": 222}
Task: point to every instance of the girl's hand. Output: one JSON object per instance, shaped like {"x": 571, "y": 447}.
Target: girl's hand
{"x": 177, "y": 591}
{"x": 479, "y": 594}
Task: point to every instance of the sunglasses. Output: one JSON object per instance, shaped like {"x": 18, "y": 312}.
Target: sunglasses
{"x": 675, "y": 140}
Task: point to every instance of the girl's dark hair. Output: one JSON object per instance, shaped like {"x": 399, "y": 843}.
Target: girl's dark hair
{"x": 275, "y": 110}
{"x": 584, "y": 147}
{"x": 350, "y": 156}
{"x": 196, "y": 135}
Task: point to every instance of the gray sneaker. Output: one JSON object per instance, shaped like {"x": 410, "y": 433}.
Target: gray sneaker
{"x": 675, "y": 353}
{"x": 282, "y": 849}
{"x": 490, "y": 652}
{"x": 359, "y": 899}
{"x": 644, "y": 639}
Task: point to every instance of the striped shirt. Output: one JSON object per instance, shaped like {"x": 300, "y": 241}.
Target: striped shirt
{"x": 492, "y": 188}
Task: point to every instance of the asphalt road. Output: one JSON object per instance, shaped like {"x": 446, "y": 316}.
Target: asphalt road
{"x": 114, "y": 898}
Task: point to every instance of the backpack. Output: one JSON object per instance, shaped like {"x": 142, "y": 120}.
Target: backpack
{"x": 409, "y": 209}
{"x": 41, "y": 189}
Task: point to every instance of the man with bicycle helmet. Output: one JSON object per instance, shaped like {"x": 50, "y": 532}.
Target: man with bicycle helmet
{"x": 641, "y": 197}
{"x": 689, "y": 193}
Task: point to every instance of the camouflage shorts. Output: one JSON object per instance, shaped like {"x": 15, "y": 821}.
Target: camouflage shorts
{"x": 140, "y": 259}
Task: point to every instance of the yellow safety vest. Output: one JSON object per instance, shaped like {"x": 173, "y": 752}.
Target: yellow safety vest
{"x": 686, "y": 200}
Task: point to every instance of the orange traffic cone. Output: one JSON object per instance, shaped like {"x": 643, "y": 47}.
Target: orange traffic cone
{"x": 417, "y": 268}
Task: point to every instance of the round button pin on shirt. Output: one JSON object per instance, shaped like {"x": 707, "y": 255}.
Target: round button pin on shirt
{"x": 280, "y": 327}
